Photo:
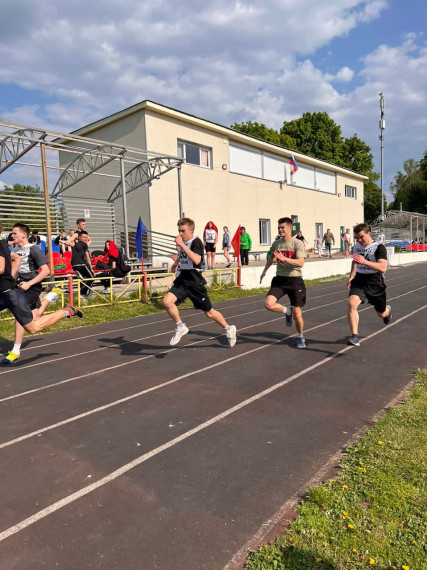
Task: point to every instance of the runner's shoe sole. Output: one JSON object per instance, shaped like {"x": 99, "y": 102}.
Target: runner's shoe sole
{"x": 232, "y": 336}
{"x": 388, "y": 318}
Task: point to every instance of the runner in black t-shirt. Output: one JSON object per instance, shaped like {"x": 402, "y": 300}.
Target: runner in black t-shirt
{"x": 366, "y": 281}
{"x": 14, "y": 298}
{"x": 191, "y": 284}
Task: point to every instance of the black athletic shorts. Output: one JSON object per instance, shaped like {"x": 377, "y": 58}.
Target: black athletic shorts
{"x": 196, "y": 293}
{"x": 16, "y": 301}
{"x": 210, "y": 247}
{"x": 370, "y": 288}
{"x": 33, "y": 296}
{"x": 294, "y": 287}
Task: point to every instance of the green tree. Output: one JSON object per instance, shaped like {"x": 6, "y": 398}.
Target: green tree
{"x": 409, "y": 187}
{"x": 317, "y": 135}
{"x": 258, "y": 130}
{"x": 372, "y": 198}
{"x": 357, "y": 156}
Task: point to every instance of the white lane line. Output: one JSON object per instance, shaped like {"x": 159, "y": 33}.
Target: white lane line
{"x": 163, "y": 384}
{"x": 161, "y": 448}
{"x": 154, "y": 322}
{"x": 124, "y": 343}
{"x": 189, "y": 345}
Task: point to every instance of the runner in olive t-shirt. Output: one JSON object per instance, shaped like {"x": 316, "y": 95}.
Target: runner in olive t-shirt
{"x": 289, "y": 253}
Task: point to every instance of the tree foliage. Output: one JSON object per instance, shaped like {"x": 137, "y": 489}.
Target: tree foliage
{"x": 409, "y": 187}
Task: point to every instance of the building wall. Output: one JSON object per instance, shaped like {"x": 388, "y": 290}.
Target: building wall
{"x": 231, "y": 199}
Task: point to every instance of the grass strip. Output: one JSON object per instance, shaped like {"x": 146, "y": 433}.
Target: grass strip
{"x": 374, "y": 514}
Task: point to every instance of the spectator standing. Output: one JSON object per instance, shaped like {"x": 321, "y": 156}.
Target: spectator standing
{"x": 301, "y": 238}
{"x": 80, "y": 260}
{"x": 328, "y": 238}
{"x": 381, "y": 238}
{"x": 245, "y": 246}
{"x": 318, "y": 245}
{"x": 346, "y": 238}
{"x": 210, "y": 239}
{"x": 226, "y": 245}
{"x": 81, "y": 227}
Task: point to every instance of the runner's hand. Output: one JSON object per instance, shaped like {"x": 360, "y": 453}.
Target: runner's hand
{"x": 24, "y": 285}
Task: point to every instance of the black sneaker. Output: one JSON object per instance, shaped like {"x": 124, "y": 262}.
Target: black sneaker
{"x": 73, "y": 311}
{"x": 353, "y": 340}
{"x": 388, "y": 318}
{"x": 288, "y": 319}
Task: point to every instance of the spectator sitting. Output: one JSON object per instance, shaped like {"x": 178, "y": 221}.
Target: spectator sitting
{"x": 61, "y": 241}
{"x": 35, "y": 238}
{"x": 114, "y": 261}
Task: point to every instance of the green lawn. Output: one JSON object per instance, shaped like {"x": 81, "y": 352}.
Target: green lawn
{"x": 374, "y": 514}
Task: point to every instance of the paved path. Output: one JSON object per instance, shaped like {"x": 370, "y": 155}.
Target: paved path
{"x": 118, "y": 451}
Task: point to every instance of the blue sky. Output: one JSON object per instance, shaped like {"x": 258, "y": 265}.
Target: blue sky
{"x": 67, "y": 64}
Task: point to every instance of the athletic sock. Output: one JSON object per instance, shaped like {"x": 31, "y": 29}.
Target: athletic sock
{"x": 300, "y": 335}
{"x": 179, "y": 325}
{"x": 288, "y": 311}
{"x": 227, "y": 328}
{"x": 16, "y": 349}
{"x": 51, "y": 296}
{"x": 67, "y": 312}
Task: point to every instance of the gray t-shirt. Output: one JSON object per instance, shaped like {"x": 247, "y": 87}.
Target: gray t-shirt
{"x": 32, "y": 258}
{"x": 294, "y": 249}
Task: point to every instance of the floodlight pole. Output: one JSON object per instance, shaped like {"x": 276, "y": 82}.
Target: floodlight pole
{"x": 381, "y": 137}
{"x": 47, "y": 205}
{"x": 181, "y": 213}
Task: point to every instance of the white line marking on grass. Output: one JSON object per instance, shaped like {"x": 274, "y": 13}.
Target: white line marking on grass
{"x": 160, "y": 449}
{"x": 163, "y": 384}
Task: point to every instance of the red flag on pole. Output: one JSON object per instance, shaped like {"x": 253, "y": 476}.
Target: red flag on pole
{"x": 235, "y": 244}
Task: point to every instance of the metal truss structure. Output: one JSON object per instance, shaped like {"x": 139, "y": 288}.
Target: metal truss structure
{"x": 13, "y": 146}
{"x": 398, "y": 219}
{"x": 144, "y": 173}
{"x": 85, "y": 164}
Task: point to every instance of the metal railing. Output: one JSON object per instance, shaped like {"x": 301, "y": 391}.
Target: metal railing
{"x": 140, "y": 287}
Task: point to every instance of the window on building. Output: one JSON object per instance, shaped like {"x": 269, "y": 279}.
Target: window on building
{"x": 195, "y": 154}
{"x": 294, "y": 218}
{"x": 264, "y": 232}
{"x": 318, "y": 230}
{"x": 350, "y": 192}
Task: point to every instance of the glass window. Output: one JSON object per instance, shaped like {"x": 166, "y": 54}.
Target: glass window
{"x": 264, "y": 232}
{"x": 194, "y": 154}
{"x": 350, "y": 192}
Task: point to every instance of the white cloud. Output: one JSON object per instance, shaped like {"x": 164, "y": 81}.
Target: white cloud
{"x": 226, "y": 61}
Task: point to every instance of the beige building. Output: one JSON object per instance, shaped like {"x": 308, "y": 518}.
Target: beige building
{"x": 228, "y": 177}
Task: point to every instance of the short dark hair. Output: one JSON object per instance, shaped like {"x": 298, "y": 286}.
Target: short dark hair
{"x": 286, "y": 221}
{"x": 361, "y": 228}
{"x": 83, "y": 233}
{"x": 23, "y": 227}
{"x": 79, "y": 220}
{"x": 186, "y": 222}
{"x": 35, "y": 231}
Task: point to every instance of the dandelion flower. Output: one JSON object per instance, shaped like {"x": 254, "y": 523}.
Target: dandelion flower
{"x": 318, "y": 560}
{"x": 371, "y": 561}
{"x": 345, "y": 487}
{"x": 354, "y": 550}
{"x": 350, "y": 526}
{"x": 413, "y": 542}
{"x": 393, "y": 452}
{"x": 380, "y": 443}
{"x": 405, "y": 567}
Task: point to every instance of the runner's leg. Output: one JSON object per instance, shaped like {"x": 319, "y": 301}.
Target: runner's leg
{"x": 353, "y": 315}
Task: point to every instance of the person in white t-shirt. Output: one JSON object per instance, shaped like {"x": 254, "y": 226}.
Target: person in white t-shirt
{"x": 346, "y": 238}
{"x": 210, "y": 239}
{"x": 381, "y": 238}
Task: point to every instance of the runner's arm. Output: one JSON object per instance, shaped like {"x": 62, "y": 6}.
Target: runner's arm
{"x": 268, "y": 264}
{"x": 41, "y": 276}
{"x": 352, "y": 273}
{"x": 16, "y": 262}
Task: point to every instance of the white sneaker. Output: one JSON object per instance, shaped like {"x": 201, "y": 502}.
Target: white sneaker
{"x": 178, "y": 334}
{"x": 231, "y": 336}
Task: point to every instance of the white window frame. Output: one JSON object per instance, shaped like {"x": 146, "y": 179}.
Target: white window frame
{"x": 350, "y": 192}
{"x": 266, "y": 230}
{"x": 182, "y": 146}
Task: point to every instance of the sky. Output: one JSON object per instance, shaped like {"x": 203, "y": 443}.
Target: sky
{"x": 66, "y": 64}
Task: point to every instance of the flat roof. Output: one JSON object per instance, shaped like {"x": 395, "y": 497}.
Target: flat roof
{"x": 232, "y": 134}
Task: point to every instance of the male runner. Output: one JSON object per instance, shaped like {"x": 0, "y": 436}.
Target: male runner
{"x": 191, "y": 284}
{"x": 366, "y": 281}
{"x": 289, "y": 253}
{"x": 29, "y": 279}
{"x": 15, "y": 299}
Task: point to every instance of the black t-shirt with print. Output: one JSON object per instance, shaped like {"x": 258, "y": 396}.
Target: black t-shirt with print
{"x": 78, "y": 256}
{"x": 190, "y": 273}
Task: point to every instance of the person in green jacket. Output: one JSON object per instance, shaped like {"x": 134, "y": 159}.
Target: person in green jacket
{"x": 245, "y": 246}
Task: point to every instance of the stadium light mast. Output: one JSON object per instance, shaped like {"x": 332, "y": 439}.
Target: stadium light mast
{"x": 381, "y": 137}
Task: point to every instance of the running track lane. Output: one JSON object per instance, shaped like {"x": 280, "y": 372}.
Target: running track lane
{"x": 201, "y": 488}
